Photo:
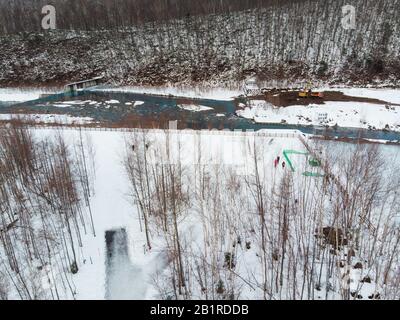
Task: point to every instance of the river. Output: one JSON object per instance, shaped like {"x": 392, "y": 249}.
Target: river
{"x": 114, "y": 107}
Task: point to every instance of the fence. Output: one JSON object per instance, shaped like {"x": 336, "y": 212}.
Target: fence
{"x": 273, "y": 133}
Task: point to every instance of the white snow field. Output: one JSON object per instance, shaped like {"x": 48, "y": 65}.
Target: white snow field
{"x": 389, "y": 95}
{"x": 21, "y": 95}
{"x": 47, "y": 118}
{"x": 221, "y": 216}
{"x": 113, "y": 209}
{"x": 205, "y": 92}
{"x": 343, "y": 114}
{"x": 137, "y": 274}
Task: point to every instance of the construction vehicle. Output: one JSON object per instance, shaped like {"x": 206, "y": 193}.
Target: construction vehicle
{"x": 308, "y": 93}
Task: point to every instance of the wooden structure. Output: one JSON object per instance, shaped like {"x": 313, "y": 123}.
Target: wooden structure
{"x": 75, "y": 86}
{"x": 251, "y": 88}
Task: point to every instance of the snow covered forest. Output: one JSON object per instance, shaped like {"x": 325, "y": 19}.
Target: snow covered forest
{"x": 245, "y": 230}
{"x": 281, "y": 42}
{"x": 45, "y": 190}
{"x": 297, "y": 200}
{"x": 206, "y": 216}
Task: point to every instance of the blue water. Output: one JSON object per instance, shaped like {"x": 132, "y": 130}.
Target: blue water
{"x": 6, "y": 104}
{"x": 166, "y": 107}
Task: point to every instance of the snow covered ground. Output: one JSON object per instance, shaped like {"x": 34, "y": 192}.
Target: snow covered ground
{"x": 112, "y": 208}
{"x": 215, "y": 93}
{"x": 331, "y": 113}
{"x": 21, "y": 95}
{"x": 48, "y": 118}
{"x": 133, "y": 273}
{"x": 389, "y": 95}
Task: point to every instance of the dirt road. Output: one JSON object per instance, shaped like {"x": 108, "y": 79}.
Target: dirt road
{"x": 286, "y": 97}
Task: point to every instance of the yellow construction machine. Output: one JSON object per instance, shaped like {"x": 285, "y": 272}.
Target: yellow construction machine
{"x": 307, "y": 92}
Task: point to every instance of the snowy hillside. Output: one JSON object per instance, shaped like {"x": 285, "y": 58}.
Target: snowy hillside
{"x": 276, "y": 43}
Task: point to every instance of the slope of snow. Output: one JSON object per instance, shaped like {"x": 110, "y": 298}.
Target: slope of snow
{"x": 111, "y": 210}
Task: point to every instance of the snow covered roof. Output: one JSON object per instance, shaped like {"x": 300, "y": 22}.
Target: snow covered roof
{"x": 84, "y": 81}
{"x": 251, "y": 84}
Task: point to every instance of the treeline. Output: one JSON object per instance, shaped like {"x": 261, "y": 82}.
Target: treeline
{"x": 99, "y": 14}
